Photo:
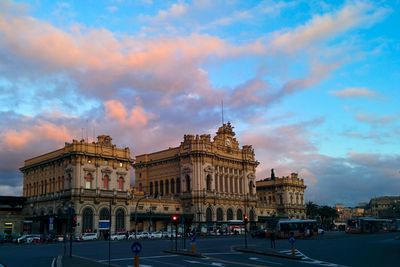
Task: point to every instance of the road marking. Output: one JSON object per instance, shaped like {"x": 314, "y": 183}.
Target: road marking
{"x": 149, "y": 257}
{"x": 264, "y": 261}
{"x": 309, "y": 260}
{"x": 203, "y": 263}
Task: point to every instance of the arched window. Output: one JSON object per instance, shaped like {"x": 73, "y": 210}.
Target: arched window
{"x": 220, "y": 215}
{"x": 87, "y": 220}
{"x": 88, "y": 181}
{"x": 156, "y": 187}
{"x": 167, "y": 187}
{"x": 151, "y": 188}
{"x": 120, "y": 220}
{"x": 106, "y": 180}
{"x": 252, "y": 216}
{"x": 178, "y": 185}
{"x": 239, "y": 214}
{"x": 229, "y": 214}
{"x": 208, "y": 214}
{"x": 172, "y": 186}
{"x": 140, "y": 187}
{"x": 208, "y": 182}
{"x": 121, "y": 183}
{"x": 161, "y": 188}
{"x": 104, "y": 214}
{"x": 187, "y": 180}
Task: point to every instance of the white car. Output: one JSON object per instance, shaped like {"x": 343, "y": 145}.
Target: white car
{"x": 321, "y": 231}
{"x": 88, "y": 236}
{"x": 157, "y": 234}
{"x": 118, "y": 236}
{"x": 32, "y": 238}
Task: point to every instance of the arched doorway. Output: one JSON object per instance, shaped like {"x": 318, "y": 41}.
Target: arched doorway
{"x": 252, "y": 216}
{"x": 229, "y": 214}
{"x": 87, "y": 220}
{"x": 209, "y": 214}
{"x": 120, "y": 220}
{"x": 104, "y": 215}
{"x": 220, "y": 215}
{"x": 239, "y": 214}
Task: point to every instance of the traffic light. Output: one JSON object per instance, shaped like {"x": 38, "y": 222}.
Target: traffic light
{"x": 245, "y": 219}
{"x": 174, "y": 219}
{"x": 74, "y": 221}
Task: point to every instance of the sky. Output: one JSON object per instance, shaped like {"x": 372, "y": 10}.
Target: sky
{"x": 311, "y": 85}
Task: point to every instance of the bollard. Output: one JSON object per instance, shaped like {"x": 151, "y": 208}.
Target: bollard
{"x": 136, "y": 261}
{"x": 193, "y": 247}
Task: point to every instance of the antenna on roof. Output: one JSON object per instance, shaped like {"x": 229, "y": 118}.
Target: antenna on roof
{"x": 87, "y": 127}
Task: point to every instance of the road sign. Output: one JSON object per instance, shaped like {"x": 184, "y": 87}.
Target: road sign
{"x": 136, "y": 247}
{"x": 104, "y": 224}
{"x": 292, "y": 240}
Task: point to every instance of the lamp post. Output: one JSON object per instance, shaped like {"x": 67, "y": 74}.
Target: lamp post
{"x": 137, "y": 204}
{"x": 70, "y": 212}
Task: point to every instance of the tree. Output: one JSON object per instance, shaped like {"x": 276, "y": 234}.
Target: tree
{"x": 328, "y": 215}
{"x": 311, "y": 210}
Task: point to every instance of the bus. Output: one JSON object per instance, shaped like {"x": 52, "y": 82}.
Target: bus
{"x": 368, "y": 225}
{"x": 396, "y": 225}
{"x": 300, "y": 228}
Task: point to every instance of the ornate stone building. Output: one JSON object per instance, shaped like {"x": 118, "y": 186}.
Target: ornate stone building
{"x": 81, "y": 178}
{"x": 281, "y": 197}
{"x": 212, "y": 179}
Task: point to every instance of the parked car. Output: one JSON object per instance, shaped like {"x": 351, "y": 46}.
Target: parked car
{"x": 87, "y": 237}
{"x": 28, "y": 238}
{"x": 118, "y": 236}
{"x": 321, "y": 231}
{"x": 157, "y": 234}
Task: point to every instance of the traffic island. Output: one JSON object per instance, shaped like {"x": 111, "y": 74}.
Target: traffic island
{"x": 268, "y": 252}
{"x": 185, "y": 253}
{"x": 65, "y": 261}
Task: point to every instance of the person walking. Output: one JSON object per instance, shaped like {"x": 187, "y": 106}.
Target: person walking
{"x": 273, "y": 238}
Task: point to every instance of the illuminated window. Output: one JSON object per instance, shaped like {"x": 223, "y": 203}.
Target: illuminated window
{"x": 120, "y": 183}
{"x": 120, "y": 164}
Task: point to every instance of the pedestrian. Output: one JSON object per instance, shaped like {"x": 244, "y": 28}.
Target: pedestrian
{"x": 127, "y": 235}
{"x": 273, "y": 238}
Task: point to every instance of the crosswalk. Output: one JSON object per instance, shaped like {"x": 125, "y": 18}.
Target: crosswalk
{"x": 309, "y": 260}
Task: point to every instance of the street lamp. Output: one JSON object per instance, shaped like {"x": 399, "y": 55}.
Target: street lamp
{"x": 70, "y": 214}
{"x": 137, "y": 204}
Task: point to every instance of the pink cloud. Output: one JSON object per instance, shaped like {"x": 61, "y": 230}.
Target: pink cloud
{"x": 136, "y": 117}
{"x": 17, "y": 140}
{"x": 353, "y": 92}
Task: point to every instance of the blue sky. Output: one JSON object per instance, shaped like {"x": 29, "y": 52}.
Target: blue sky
{"x": 312, "y": 85}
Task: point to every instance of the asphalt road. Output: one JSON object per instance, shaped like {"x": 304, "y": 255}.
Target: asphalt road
{"x": 331, "y": 249}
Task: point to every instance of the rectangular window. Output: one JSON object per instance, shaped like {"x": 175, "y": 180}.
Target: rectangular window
{"x": 88, "y": 184}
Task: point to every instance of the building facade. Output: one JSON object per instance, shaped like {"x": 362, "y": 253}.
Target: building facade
{"x": 212, "y": 179}
{"x": 80, "y": 180}
{"x": 282, "y": 197}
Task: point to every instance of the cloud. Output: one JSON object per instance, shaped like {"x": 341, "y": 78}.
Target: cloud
{"x": 322, "y": 28}
{"x": 18, "y": 139}
{"x": 376, "y": 120}
{"x": 354, "y": 92}
{"x": 136, "y": 117}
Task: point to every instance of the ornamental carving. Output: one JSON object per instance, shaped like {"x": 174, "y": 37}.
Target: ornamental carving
{"x": 209, "y": 169}
{"x": 186, "y": 170}
{"x": 107, "y": 170}
{"x": 250, "y": 176}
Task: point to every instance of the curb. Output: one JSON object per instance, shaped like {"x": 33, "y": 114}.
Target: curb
{"x": 185, "y": 253}
{"x": 268, "y": 253}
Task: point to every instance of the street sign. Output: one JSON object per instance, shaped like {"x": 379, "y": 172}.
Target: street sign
{"x": 136, "y": 247}
{"x": 292, "y": 240}
{"x": 104, "y": 224}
